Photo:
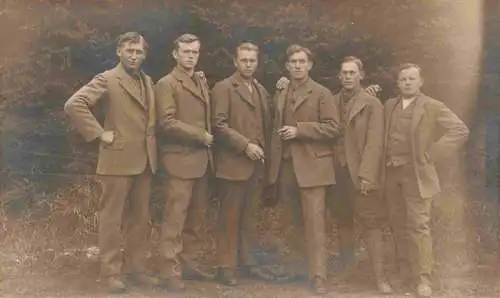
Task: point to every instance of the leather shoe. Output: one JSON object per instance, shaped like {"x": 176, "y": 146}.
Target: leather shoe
{"x": 115, "y": 285}
{"x": 424, "y": 291}
{"x": 318, "y": 285}
{"x": 227, "y": 277}
{"x": 172, "y": 284}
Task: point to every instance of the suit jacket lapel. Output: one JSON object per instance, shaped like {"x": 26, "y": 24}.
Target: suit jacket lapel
{"x": 418, "y": 112}
{"x": 336, "y": 101}
{"x": 280, "y": 103}
{"x": 188, "y": 83}
{"x": 303, "y": 96}
{"x": 150, "y": 100}
{"x": 389, "y": 108}
{"x": 206, "y": 98}
{"x": 242, "y": 90}
{"x": 263, "y": 98}
{"x": 126, "y": 81}
{"x": 357, "y": 106}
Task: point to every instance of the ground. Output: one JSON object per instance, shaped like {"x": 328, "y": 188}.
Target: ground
{"x": 481, "y": 281}
{"x": 37, "y": 261}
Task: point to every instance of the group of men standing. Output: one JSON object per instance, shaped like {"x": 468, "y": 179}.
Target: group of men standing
{"x": 304, "y": 146}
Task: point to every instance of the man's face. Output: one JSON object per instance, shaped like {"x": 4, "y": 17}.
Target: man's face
{"x": 350, "y": 75}
{"x": 131, "y": 55}
{"x": 246, "y": 63}
{"x": 299, "y": 65}
{"x": 187, "y": 54}
{"x": 409, "y": 81}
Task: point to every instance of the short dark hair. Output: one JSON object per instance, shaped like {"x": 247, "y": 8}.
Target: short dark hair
{"x": 295, "y": 48}
{"x": 185, "y": 38}
{"x": 354, "y": 60}
{"x": 132, "y": 37}
{"x": 246, "y": 46}
{"x": 407, "y": 66}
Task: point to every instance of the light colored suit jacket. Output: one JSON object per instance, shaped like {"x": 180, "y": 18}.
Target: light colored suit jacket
{"x": 235, "y": 125}
{"x": 184, "y": 116}
{"x": 363, "y": 137}
{"x": 316, "y": 118}
{"x": 429, "y": 117}
{"x": 130, "y": 118}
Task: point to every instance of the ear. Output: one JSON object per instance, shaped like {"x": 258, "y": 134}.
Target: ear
{"x": 118, "y": 51}
{"x": 421, "y": 83}
{"x": 174, "y": 54}
{"x": 362, "y": 74}
{"x": 234, "y": 62}
{"x": 310, "y": 65}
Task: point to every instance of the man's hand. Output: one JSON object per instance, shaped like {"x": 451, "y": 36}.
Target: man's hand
{"x": 107, "y": 137}
{"x": 209, "y": 139}
{"x": 201, "y": 75}
{"x": 365, "y": 187}
{"x": 254, "y": 152}
{"x": 282, "y": 83}
{"x": 373, "y": 89}
{"x": 287, "y": 132}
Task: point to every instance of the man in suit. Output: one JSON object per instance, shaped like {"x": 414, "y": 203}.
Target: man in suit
{"x": 184, "y": 112}
{"x": 358, "y": 156}
{"x": 419, "y": 130}
{"x": 127, "y": 157}
{"x": 242, "y": 125}
{"x": 301, "y": 161}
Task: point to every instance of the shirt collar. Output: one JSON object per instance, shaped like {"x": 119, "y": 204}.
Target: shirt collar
{"x": 300, "y": 85}
{"x": 349, "y": 94}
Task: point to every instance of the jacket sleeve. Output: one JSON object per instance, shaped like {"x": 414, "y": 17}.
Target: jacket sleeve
{"x": 369, "y": 168}
{"x": 328, "y": 126}
{"x": 166, "y": 107}
{"x": 224, "y": 133}
{"x": 455, "y": 132}
{"x": 77, "y": 107}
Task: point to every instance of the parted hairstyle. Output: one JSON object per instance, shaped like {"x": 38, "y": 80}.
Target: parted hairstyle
{"x": 246, "y": 46}
{"x": 185, "y": 38}
{"x": 132, "y": 37}
{"x": 295, "y": 48}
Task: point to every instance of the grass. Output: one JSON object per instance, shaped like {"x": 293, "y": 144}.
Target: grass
{"x": 56, "y": 236}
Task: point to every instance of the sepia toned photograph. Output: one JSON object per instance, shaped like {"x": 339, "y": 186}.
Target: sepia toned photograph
{"x": 230, "y": 148}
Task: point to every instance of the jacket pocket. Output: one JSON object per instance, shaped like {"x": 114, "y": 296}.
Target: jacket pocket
{"x": 116, "y": 145}
{"x": 323, "y": 152}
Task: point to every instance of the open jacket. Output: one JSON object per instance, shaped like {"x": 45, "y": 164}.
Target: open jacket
{"x": 429, "y": 117}
{"x": 316, "y": 119}
{"x": 132, "y": 121}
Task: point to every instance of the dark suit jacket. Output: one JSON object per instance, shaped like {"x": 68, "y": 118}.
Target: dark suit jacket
{"x": 429, "y": 116}
{"x": 184, "y": 113}
{"x": 316, "y": 119}
{"x": 235, "y": 124}
{"x": 363, "y": 135}
{"x": 126, "y": 115}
